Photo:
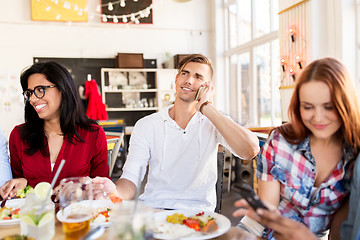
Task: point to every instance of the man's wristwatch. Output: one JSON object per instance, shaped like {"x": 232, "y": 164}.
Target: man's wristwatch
{"x": 202, "y": 105}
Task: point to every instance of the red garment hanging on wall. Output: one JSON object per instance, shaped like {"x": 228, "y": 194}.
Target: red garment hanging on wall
{"x": 96, "y": 108}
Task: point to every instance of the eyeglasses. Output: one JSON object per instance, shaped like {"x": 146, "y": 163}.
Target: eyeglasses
{"x": 39, "y": 92}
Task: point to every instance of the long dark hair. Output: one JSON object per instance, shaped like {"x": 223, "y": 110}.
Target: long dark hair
{"x": 343, "y": 95}
{"x": 72, "y": 114}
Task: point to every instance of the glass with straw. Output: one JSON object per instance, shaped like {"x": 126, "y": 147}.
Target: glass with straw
{"x": 75, "y": 200}
{"x": 37, "y": 218}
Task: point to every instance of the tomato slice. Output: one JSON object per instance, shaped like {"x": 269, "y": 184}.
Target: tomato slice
{"x": 114, "y": 198}
{"x": 192, "y": 223}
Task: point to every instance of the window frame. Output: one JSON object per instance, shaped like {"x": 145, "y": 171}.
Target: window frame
{"x": 249, "y": 47}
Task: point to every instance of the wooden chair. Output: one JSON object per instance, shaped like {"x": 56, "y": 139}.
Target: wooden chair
{"x": 114, "y": 140}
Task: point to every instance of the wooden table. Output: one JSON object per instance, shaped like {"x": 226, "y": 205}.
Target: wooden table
{"x": 233, "y": 234}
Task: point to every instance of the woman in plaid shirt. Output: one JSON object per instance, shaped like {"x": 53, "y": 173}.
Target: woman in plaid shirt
{"x": 305, "y": 167}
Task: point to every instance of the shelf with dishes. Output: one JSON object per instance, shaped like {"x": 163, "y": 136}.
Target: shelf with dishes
{"x": 138, "y": 92}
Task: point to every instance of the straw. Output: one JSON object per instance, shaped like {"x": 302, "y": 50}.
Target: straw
{"x": 53, "y": 183}
{"x": 56, "y": 175}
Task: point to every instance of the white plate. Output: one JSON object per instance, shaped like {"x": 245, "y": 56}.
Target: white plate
{"x": 14, "y": 203}
{"x": 223, "y": 223}
{"x": 94, "y": 204}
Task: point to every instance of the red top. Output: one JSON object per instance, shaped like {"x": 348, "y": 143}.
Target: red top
{"x": 87, "y": 158}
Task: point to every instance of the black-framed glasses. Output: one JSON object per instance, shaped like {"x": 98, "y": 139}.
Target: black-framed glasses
{"x": 39, "y": 92}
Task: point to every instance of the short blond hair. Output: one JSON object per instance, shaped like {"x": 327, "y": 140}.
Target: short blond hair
{"x": 198, "y": 58}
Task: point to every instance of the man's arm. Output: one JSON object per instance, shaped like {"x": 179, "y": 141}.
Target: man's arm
{"x": 104, "y": 187}
{"x": 126, "y": 188}
{"x": 241, "y": 140}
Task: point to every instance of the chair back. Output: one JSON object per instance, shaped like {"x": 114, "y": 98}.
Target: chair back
{"x": 219, "y": 183}
{"x": 114, "y": 145}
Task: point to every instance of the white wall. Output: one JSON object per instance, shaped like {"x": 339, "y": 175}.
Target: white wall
{"x": 177, "y": 28}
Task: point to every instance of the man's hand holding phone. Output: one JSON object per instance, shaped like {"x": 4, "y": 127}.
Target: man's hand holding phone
{"x": 200, "y": 93}
{"x": 203, "y": 95}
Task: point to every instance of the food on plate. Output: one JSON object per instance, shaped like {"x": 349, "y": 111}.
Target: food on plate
{"x": 210, "y": 226}
{"x": 18, "y": 237}
{"x": 114, "y": 198}
{"x": 21, "y": 193}
{"x": 176, "y": 218}
{"x": 198, "y": 222}
{"x": 9, "y": 213}
{"x": 101, "y": 215}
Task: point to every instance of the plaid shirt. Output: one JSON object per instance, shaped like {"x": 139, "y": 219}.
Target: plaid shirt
{"x": 294, "y": 167}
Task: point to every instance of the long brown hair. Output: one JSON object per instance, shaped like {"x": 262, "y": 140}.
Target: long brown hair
{"x": 343, "y": 96}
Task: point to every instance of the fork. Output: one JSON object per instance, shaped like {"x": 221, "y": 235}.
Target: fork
{"x": 3, "y": 203}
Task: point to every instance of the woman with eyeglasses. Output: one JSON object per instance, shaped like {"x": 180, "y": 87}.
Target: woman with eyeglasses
{"x": 55, "y": 128}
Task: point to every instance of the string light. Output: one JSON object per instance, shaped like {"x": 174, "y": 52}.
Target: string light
{"x": 133, "y": 17}
{"x": 298, "y": 60}
{"x": 292, "y": 33}
{"x": 292, "y": 73}
{"x": 283, "y": 63}
{"x": 110, "y": 7}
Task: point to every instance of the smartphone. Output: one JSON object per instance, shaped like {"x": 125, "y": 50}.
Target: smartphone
{"x": 250, "y": 196}
{"x": 200, "y": 93}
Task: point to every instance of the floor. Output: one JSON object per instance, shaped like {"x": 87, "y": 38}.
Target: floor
{"x": 227, "y": 206}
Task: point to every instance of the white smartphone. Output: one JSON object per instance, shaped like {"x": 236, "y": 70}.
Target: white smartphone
{"x": 200, "y": 93}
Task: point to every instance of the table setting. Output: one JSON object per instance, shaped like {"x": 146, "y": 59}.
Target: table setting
{"x": 79, "y": 216}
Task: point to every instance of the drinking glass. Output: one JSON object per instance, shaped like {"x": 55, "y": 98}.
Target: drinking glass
{"x": 37, "y": 218}
{"x": 75, "y": 200}
{"x": 128, "y": 221}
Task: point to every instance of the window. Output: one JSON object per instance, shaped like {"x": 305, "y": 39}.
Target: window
{"x": 252, "y": 57}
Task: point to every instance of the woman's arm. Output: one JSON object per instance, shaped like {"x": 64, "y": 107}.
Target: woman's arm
{"x": 269, "y": 191}
{"x": 5, "y": 170}
{"x": 339, "y": 217}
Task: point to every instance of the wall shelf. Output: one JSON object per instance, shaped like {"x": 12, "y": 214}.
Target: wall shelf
{"x": 132, "y": 93}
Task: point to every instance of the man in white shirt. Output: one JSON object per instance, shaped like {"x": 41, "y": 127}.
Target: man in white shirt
{"x": 5, "y": 170}
{"x": 180, "y": 145}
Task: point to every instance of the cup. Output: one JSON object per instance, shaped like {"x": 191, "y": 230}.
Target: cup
{"x": 75, "y": 200}
{"x": 128, "y": 222}
{"x": 37, "y": 218}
